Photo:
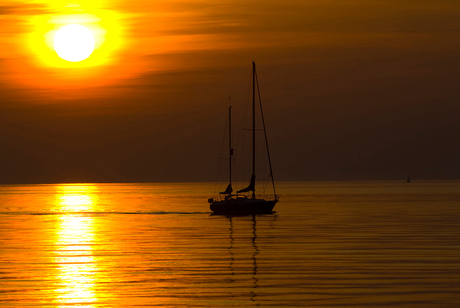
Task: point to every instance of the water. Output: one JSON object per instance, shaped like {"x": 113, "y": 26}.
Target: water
{"x": 391, "y": 244}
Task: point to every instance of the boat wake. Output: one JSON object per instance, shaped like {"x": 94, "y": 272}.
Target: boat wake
{"x": 95, "y": 213}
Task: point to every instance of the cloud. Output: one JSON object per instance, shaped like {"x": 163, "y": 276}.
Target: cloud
{"x": 351, "y": 89}
{"x": 24, "y": 9}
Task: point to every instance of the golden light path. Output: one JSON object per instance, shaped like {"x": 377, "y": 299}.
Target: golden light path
{"x": 74, "y": 239}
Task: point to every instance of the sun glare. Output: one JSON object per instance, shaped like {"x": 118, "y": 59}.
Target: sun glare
{"x": 76, "y": 38}
{"x": 74, "y": 42}
{"x": 73, "y": 46}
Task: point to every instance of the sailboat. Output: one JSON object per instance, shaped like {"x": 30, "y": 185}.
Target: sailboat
{"x": 243, "y": 204}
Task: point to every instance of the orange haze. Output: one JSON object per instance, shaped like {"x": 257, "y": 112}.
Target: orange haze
{"x": 351, "y": 89}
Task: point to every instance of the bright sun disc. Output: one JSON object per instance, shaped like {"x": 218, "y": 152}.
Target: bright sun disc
{"x": 74, "y": 42}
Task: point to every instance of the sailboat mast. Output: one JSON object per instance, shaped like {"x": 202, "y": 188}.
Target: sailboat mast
{"x": 230, "y": 142}
{"x": 253, "y": 124}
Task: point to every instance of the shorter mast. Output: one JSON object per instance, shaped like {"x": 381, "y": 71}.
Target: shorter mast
{"x": 253, "y": 178}
{"x": 230, "y": 150}
{"x": 229, "y": 189}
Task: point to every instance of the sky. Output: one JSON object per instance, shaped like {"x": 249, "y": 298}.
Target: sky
{"x": 351, "y": 89}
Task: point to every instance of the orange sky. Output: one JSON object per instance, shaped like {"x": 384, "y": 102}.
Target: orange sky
{"x": 351, "y": 89}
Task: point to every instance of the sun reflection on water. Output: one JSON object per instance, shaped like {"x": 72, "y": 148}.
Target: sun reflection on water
{"x": 75, "y": 230}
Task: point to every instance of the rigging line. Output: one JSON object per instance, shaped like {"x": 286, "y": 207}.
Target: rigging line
{"x": 265, "y": 133}
{"x": 241, "y": 137}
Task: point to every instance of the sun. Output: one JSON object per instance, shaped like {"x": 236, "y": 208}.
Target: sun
{"x": 74, "y": 42}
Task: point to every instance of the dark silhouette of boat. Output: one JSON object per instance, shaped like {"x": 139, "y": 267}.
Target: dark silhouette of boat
{"x": 242, "y": 204}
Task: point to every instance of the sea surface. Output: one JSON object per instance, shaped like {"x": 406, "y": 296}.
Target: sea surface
{"x": 329, "y": 244}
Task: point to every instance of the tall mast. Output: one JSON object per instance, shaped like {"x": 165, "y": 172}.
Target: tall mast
{"x": 230, "y": 142}
{"x": 253, "y": 124}
{"x": 252, "y": 185}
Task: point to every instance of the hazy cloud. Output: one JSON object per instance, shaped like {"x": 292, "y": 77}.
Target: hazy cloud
{"x": 24, "y": 9}
{"x": 351, "y": 89}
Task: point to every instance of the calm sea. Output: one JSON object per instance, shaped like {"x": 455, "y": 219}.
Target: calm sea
{"x": 350, "y": 244}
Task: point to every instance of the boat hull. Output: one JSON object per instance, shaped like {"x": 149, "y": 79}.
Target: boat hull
{"x": 243, "y": 206}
